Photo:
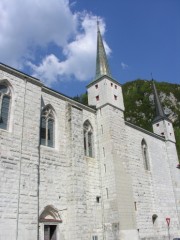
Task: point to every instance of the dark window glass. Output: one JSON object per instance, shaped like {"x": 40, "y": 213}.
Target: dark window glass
{"x": 145, "y": 155}
{"x": 51, "y": 133}
{"x": 3, "y": 89}
{"x": 90, "y": 144}
{"x": 4, "y": 112}
{"x": 85, "y": 143}
{"x": 43, "y": 131}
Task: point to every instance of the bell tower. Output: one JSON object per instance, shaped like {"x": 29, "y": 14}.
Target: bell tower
{"x": 161, "y": 124}
{"x": 104, "y": 89}
{"x": 105, "y": 94}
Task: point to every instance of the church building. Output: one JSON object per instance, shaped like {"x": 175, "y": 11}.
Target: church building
{"x": 74, "y": 172}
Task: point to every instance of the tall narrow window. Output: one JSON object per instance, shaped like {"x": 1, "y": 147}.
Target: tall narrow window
{"x": 107, "y": 194}
{"x": 88, "y": 139}
{"x": 5, "y": 98}
{"x": 47, "y": 127}
{"x": 102, "y": 129}
{"x": 145, "y": 154}
{"x": 154, "y": 218}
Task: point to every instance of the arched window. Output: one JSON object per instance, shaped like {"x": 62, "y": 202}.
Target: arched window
{"x": 5, "y": 99}
{"x": 145, "y": 154}
{"x": 88, "y": 139}
{"x": 154, "y": 218}
{"x": 47, "y": 127}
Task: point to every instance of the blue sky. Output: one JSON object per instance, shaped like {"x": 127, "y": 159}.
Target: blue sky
{"x": 56, "y": 40}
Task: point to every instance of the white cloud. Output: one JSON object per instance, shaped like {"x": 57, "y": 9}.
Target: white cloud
{"x": 29, "y": 25}
{"x": 25, "y": 25}
{"x": 49, "y": 70}
{"x": 124, "y": 66}
{"x": 80, "y": 56}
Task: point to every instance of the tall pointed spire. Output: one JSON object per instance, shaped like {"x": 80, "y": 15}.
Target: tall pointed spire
{"x": 159, "y": 110}
{"x": 102, "y": 67}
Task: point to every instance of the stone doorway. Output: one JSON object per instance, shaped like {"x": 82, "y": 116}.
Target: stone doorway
{"x": 50, "y": 232}
{"x": 49, "y": 222}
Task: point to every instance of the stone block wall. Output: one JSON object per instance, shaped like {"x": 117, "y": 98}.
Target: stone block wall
{"x": 19, "y": 160}
{"x": 118, "y": 216}
{"x": 110, "y": 195}
{"x": 68, "y": 180}
{"x": 34, "y": 176}
{"x": 153, "y": 190}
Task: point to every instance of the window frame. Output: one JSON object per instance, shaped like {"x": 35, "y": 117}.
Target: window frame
{"x": 145, "y": 155}
{"x": 48, "y": 115}
{"x": 7, "y": 94}
{"x": 88, "y": 139}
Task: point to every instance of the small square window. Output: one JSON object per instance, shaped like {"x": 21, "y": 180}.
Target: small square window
{"x": 115, "y": 97}
{"x": 97, "y": 98}
{"x": 111, "y": 84}
{"x": 115, "y": 86}
{"x": 96, "y": 86}
{"x": 157, "y": 124}
{"x": 162, "y": 133}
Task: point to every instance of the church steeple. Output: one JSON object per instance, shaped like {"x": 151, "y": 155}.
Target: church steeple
{"x": 104, "y": 89}
{"x": 161, "y": 124}
{"x": 159, "y": 110}
{"x": 102, "y": 67}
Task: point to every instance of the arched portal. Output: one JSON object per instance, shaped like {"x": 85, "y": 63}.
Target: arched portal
{"x": 49, "y": 222}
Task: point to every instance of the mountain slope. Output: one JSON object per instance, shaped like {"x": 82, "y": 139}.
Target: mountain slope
{"x": 139, "y": 104}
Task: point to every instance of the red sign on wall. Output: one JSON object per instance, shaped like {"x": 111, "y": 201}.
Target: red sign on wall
{"x": 168, "y": 221}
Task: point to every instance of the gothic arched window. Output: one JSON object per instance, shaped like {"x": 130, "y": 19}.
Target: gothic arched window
{"x": 145, "y": 154}
{"x": 88, "y": 139}
{"x": 5, "y": 99}
{"x": 47, "y": 127}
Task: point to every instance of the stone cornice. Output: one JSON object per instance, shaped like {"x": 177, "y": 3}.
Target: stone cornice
{"x": 37, "y": 82}
{"x": 103, "y": 77}
{"x": 20, "y": 74}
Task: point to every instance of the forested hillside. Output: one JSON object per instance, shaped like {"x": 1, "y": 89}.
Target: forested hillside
{"x": 139, "y": 104}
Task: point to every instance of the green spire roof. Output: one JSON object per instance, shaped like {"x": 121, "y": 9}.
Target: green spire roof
{"x": 102, "y": 67}
{"x": 159, "y": 110}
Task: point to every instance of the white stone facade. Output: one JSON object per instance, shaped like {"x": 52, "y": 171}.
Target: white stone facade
{"x": 112, "y": 195}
